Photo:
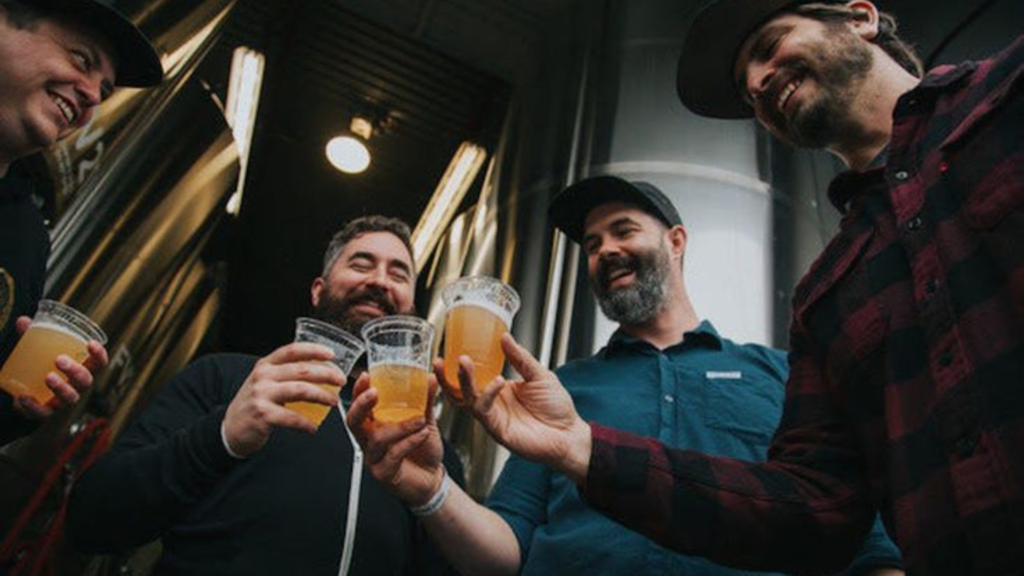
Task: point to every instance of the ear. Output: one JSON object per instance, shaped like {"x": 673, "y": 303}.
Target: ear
{"x": 677, "y": 240}
{"x": 315, "y": 290}
{"x": 865, "y": 21}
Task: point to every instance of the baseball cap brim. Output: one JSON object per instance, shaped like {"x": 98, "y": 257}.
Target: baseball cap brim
{"x": 704, "y": 78}
{"x": 568, "y": 211}
{"x": 138, "y": 63}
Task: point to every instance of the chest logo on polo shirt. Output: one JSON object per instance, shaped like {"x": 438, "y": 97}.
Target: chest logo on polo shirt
{"x": 6, "y": 296}
{"x": 731, "y": 375}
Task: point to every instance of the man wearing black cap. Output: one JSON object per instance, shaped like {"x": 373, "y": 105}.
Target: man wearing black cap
{"x": 664, "y": 373}
{"x": 908, "y": 332}
{"x": 59, "y": 59}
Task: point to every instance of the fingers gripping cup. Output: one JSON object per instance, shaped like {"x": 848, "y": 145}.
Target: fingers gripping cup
{"x": 347, "y": 349}
{"x": 56, "y": 329}
{"x": 480, "y": 311}
{"x": 398, "y": 350}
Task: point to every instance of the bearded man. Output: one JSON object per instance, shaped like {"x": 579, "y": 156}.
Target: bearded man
{"x": 231, "y": 480}
{"x": 664, "y": 373}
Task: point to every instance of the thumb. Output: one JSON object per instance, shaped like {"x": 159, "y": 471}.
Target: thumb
{"x": 524, "y": 363}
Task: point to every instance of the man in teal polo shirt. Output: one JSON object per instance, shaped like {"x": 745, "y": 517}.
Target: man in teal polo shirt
{"x": 664, "y": 373}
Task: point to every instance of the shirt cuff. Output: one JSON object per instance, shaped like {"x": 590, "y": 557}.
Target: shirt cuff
{"x": 227, "y": 447}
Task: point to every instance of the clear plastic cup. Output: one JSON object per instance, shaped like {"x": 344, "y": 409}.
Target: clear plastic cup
{"x": 398, "y": 350}
{"x": 480, "y": 310}
{"x": 347, "y": 349}
{"x": 56, "y": 329}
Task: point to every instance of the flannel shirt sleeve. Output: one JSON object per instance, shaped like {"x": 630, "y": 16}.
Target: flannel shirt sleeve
{"x": 804, "y": 511}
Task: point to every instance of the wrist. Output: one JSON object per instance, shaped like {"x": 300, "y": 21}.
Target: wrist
{"x": 576, "y": 461}
{"x": 227, "y": 445}
{"x": 437, "y": 500}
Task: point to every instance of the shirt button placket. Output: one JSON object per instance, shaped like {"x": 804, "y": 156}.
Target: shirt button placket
{"x": 668, "y": 412}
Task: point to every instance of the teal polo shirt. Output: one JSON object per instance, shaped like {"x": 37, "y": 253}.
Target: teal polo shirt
{"x": 705, "y": 393}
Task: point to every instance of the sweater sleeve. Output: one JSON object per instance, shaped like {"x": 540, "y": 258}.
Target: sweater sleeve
{"x": 165, "y": 463}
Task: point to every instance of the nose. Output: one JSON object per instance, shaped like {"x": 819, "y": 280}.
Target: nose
{"x": 379, "y": 278}
{"x": 759, "y": 77}
{"x": 607, "y": 249}
{"x": 90, "y": 92}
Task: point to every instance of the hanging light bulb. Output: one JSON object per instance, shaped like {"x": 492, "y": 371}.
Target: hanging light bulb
{"x": 349, "y": 153}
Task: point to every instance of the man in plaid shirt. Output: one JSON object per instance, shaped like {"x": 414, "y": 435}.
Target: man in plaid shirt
{"x": 907, "y": 332}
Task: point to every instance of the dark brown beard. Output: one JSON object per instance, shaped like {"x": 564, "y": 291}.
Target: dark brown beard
{"x": 838, "y": 67}
{"x": 339, "y": 311}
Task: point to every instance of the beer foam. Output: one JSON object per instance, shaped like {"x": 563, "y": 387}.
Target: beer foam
{"x": 481, "y": 301}
{"x": 58, "y": 328}
{"x": 403, "y": 362}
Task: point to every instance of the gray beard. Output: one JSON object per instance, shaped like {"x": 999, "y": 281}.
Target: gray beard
{"x": 645, "y": 298}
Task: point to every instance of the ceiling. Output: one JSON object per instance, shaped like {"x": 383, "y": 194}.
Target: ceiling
{"x": 326, "y": 60}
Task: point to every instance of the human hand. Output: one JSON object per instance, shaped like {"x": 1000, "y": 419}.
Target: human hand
{"x": 406, "y": 457}
{"x": 288, "y": 374}
{"x": 67, "y": 390}
{"x": 533, "y": 417}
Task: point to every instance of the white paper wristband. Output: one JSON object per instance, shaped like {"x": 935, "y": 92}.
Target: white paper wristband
{"x": 437, "y": 500}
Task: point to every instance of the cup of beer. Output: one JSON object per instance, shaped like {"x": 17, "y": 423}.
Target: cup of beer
{"x": 56, "y": 329}
{"x": 347, "y": 349}
{"x": 479, "y": 310}
{"x": 398, "y": 350}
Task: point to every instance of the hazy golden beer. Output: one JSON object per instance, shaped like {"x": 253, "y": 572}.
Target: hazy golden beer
{"x": 476, "y": 332}
{"x": 402, "y": 392}
{"x": 480, "y": 310}
{"x": 398, "y": 350}
{"x": 312, "y": 411}
{"x": 56, "y": 329}
{"x": 347, "y": 349}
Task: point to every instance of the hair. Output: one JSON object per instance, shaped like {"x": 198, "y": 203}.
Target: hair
{"x": 897, "y": 48}
{"x": 364, "y": 225}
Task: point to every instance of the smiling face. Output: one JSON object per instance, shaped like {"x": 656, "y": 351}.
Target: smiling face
{"x": 373, "y": 276}
{"x": 53, "y": 73}
{"x": 630, "y": 262}
{"x": 802, "y": 78}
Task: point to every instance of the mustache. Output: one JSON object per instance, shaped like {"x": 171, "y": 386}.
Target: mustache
{"x": 613, "y": 264}
{"x": 370, "y": 295}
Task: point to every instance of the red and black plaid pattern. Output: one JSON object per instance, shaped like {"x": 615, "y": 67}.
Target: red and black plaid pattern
{"x": 906, "y": 389}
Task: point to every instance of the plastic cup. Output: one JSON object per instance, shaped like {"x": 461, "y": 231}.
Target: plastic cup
{"x": 398, "y": 350}
{"x": 480, "y": 310}
{"x": 56, "y": 329}
{"x": 347, "y": 349}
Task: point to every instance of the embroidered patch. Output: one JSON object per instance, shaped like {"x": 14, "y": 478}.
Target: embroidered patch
{"x": 734, "y": 375}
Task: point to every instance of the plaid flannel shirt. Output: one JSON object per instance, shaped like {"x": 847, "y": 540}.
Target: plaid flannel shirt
{"x": 906, "y": 390}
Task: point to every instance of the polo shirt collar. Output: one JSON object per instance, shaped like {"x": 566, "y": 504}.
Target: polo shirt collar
{"x": 703, "y": 335}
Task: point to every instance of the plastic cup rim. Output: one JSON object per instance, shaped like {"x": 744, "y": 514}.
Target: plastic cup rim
{"x": 80, "y": 324}
{"x": 343, "y": 336}
{"x": 402, "y": 322}
{"x": 446, "y": 293}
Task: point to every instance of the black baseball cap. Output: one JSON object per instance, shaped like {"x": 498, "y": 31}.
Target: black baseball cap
{"x": 137, "y": 62}
{"x": 569, "y": 209}
{"x": 705, "y": 79}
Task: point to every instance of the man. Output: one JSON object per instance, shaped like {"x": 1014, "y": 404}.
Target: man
{"x": 907, "y": 358}
{"x": 59, "y": 59}
{"x": 235, "y": 483}
{"x": 664, "y": 373}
